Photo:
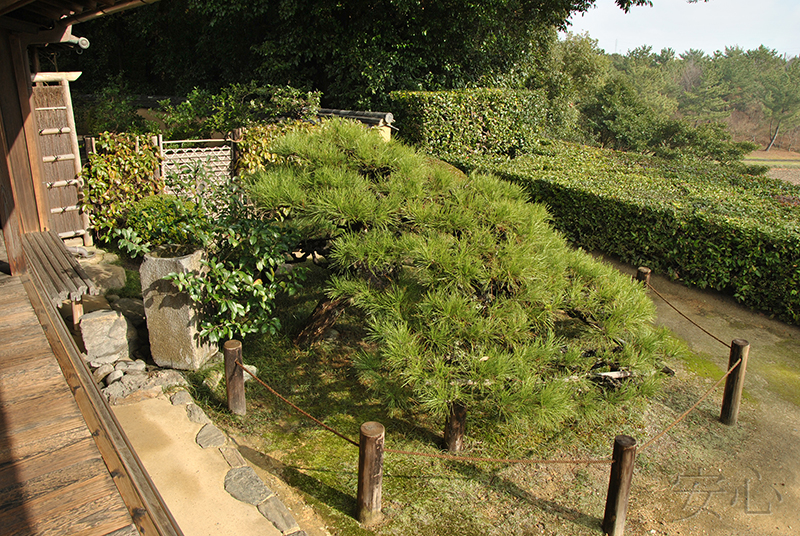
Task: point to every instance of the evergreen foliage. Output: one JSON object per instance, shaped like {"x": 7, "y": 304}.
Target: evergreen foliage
{"x": 709, "y": 225}
{"x": 470, "y": 295}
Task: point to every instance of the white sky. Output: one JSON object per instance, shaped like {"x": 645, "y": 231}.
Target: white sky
{"x": 708, "y": 26}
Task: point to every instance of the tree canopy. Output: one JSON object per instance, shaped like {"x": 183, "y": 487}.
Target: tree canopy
{"x": 351, "y": 51}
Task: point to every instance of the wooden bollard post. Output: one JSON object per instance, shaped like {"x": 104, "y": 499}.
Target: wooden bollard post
{"x": 734, "y": 384}
{"x": 370, "y": 472}
{"x": 619, "y": 485}
{"x": 234, "y": 377}
{"x": 643, "y": 274}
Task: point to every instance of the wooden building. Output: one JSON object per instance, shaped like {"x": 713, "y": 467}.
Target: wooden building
{"x": 66, "y": 466}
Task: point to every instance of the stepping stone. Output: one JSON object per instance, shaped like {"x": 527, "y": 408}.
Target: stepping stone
{"x": 245, "y": 485}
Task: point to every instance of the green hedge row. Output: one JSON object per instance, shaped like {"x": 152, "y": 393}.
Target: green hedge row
{"x": 707, "y": 225}
{"x": 467, "y": 122}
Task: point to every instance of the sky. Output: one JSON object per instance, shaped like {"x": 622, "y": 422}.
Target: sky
{"x": 708, "y": 26}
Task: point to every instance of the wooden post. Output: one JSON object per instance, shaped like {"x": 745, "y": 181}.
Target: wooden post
{"x": 734, "y": 384}
{"x": 619, "y": 485}
{"x": 643, "y": 274}
{"x": 234, "y": 378}
{"x": 370, "y": 472}
{"x": 455, "y": 427}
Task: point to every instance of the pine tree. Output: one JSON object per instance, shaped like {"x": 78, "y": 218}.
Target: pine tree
{"x": 476, "y": 304}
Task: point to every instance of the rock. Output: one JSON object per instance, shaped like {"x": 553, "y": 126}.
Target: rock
{"x": 105, "y": 360}
{"x": 330, "y": 335}
{"x": 106, "y": 276}
{"x": 181, "y": 398}
{"x": 233, "y": 457}
{"x": 253, "y": 370}
{"x": 196, "y": 414}
{"x": 280, "y": 516}
{"x": 134, "y": 381}
{"x": 213, "y": 380}
{"x": 132, "y": 309}
{"x": 107, "y": 336}
{"x": 123, "y": 364}
{"x": 111, "y": 298}
{"x": 245, "y": 485}
{"x": 102, "y": 371}
{"x": 210, "y": 436}
{"x": 114, "y": 376}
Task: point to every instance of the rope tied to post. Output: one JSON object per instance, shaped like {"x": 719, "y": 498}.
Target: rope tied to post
{"x": 449, "y": 457}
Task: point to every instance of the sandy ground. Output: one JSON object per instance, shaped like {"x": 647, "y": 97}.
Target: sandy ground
{"x": 709, "y": 478}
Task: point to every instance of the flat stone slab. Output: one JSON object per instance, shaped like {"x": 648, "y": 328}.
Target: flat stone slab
{"x": 181, "y": 398}
{"x": 233, "y": 457}
{"x": 280, "y": 516}
{"x": 245, "y": 485}
{"x": 196, "y": 414}
{"x": 210, "y": 436}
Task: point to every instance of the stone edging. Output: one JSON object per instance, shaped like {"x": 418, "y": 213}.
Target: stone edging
{"x": 241, "y": 481}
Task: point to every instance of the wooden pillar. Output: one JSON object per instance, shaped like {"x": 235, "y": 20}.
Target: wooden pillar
{"x": 234, "y": 378}
{"x": 734, "y": 384}
{"x": 619, "y": 485}
{"x": 643, "y": 274}
{"x": 370, "y": 472}
{"x": 22, "y": 74}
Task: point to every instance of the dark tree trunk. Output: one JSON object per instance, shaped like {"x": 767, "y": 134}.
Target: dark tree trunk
{"x": 455, "y": 427}
{"x": 322, "y": 319}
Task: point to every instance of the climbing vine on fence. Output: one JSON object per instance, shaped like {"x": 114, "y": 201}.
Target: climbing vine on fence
{"x": 121, "y": 172}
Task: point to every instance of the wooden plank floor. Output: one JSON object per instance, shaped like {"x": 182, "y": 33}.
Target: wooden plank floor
{"x": 52, "y": 478}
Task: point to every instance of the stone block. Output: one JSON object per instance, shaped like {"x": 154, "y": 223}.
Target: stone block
{"x": 172, "y": 319}
{"x": 107, "y": 336}
{"x": 210, "y": 436}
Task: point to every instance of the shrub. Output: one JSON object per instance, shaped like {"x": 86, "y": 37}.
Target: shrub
{"x": 117, "y": 176}
{"x": 237, "y": 106}
{"x": 468, "y": 122}
{"x": 472, "y": 298}
{"x": 708, "y": 225}
{"x": 166, "y": 219}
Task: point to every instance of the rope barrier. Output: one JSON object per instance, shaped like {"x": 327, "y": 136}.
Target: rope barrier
{"x": 698, "y": 326}
{"x": 276, "y": 393}
{"x": 685, "y": 413}
{"x": 498, "y": 460}
{"x": 422, "y": 454}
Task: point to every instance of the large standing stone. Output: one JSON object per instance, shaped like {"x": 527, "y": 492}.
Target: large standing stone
{"x": 172, "y": 319}
{"x": 107, "y": 336}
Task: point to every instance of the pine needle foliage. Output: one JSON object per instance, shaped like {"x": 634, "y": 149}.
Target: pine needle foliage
{"x": 470, "y": 295}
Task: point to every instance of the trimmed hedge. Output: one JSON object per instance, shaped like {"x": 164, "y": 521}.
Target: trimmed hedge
{"x": 466, "y": 122}
{"x": 708, "y": 225}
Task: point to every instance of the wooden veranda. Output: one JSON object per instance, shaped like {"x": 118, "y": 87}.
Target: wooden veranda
{"x": 52, "y": 476}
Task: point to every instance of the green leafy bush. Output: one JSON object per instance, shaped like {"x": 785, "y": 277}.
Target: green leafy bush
{"x": 468, "y": 122}
{"x": 167, "y": 219}
{"x": 236, "y": 106}
{"x": 471, "y": 296}
{"x": 708, "y": 225}
{"x": 117, "y": 176}
{"x": 236, "y": 288}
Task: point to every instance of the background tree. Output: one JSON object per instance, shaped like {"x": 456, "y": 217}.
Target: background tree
{"x": 353, "y": 52}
